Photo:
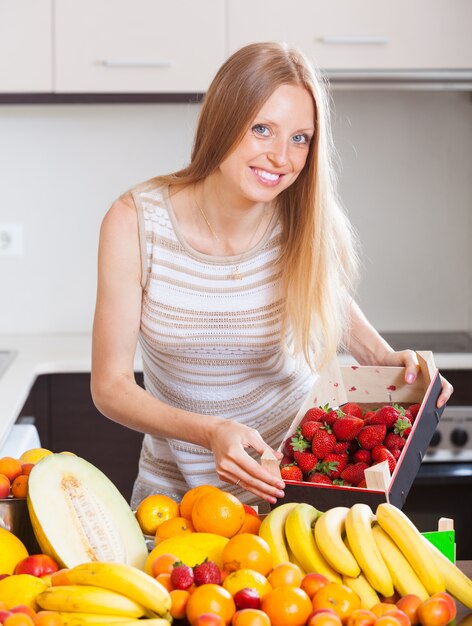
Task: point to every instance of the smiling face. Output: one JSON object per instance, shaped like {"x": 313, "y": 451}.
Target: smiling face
{"x": 273, "y": 151}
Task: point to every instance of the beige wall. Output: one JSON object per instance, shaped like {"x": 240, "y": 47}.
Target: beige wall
{"x": 405, "y": 181}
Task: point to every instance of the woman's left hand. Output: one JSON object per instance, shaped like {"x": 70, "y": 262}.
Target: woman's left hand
{"x": 407, "y": 358}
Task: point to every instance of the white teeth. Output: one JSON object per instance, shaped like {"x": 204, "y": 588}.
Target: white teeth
{"x": 266, "y": 175}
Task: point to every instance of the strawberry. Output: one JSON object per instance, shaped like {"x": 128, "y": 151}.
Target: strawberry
{"x": 306, "y": 461}
{"x": 299, "y": 443}
{"x": 362, "y": 484}
{"x": 318, "y": 477}
{"x": 331, "y": 417}
{"x": 414, "y": 409}
{"x": 376, "y": 452}
{"x": 182, "y": 576}
{"x": 385, "y": 455}
{"x": 308, "y": 429}
{"x": 367, "y": 415}
{"x": 287, "y": 447}
{"x": 371, "y": 436}
{"x": 351, "y": 408}
{"x": 393, "y": 440}
{"x": 323, "y": 442}
{"x": 354, "y": 473}
{"x": 291, "y": 472}
{"x": 396, "y": 452}
{"x": 334, "y": 464}
{"x": 340, "y": 446}
{"x": 347, "y": 428}
{"x": 362, "y": 456}
{"x": 316, "y": 414}
{"x": 286, "y": 460}
{"x": 207, "y": 572}
{"x": 387, "y": 415}
{"x": 402, "y": 427}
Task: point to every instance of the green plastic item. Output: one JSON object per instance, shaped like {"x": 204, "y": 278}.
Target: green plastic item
{"x": 445, "y": 541}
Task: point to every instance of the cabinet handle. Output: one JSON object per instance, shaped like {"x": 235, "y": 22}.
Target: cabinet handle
{"x": 135, "y": 63}
{"x": 370, "y": 41}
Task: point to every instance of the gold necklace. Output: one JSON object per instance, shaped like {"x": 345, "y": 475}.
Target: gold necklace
{"x": 235, "y": 274}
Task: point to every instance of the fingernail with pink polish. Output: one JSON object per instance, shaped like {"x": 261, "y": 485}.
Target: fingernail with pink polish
{"x": 410, "y": 378}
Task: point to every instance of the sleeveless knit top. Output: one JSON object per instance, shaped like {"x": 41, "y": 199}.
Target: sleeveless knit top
{"x": 210, "y": 344}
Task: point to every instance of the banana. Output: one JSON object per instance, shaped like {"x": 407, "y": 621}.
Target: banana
{"x": 84, "y": 619}
{"x": 126, "y": 580}
{"x": 410, "y": 541}
{"x": 329, "y": 530}
{"x": 403, "y": 575}
{"x": 293, "y": 559}
{"x": 301, "y": 539}
{"x": 358, "y": 522}
{"x": 88, "y": 599}
{"x": 457, "y": 583}
{"x": 272, "y": 530}
{"x": 364, "y": 590}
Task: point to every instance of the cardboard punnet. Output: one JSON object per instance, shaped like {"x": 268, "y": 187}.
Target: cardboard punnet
{"x": 373, "y": 386}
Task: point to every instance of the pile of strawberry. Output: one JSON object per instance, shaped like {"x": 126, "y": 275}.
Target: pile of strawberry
{"x": 336, "y": 446}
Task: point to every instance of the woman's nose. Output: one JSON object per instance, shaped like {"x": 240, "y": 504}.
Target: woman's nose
{"x": 278, "y": 153}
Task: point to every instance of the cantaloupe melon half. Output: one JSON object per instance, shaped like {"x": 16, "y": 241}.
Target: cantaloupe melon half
{"x": 78, "y": 514}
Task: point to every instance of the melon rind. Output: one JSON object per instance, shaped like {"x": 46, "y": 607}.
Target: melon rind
{"x": 78, "y": 515}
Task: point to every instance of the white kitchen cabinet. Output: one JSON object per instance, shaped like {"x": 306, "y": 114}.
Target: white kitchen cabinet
{"x": 25, "y": 46}
{"x": 385, "y": 35}
{"x": 143, "y": 46}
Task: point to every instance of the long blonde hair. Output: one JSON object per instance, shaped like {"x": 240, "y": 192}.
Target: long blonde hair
{"x": 318, "y": 261}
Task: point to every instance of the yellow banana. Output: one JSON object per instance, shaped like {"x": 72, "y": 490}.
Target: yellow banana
{"x": 410, "y": 541}
{"x": 85, "y": 619}
{"x": 272, "y": 530}
{"x": 457, "y": 583}
{"x": 293, "y": 559}
{"x": 405, "y": 579}
{"x": 359, "y": 520}
{"x": 125, "y": 579}
{"x": 301, "y": 539}
{"x": 88, "y": 599}
{"x": 329, "y": 530}
{"x": 364, "y": 590}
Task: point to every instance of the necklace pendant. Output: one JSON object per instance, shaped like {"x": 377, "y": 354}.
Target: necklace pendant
{"x": 236, "y": 273}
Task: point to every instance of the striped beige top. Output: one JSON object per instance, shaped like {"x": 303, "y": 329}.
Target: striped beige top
{"x": 210, "y": 344}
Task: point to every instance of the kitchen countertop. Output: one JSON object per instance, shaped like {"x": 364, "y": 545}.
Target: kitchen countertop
{"x": 62, "y": 353}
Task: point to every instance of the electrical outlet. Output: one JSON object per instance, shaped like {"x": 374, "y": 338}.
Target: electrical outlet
{"x": 11, "y": 239}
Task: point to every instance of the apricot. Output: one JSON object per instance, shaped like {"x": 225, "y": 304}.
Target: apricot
{"x": 409, "y": 604}
{"x": 10, "y": 467}
{"x": 4, "y": 486}
{"x": 435, "y": 611}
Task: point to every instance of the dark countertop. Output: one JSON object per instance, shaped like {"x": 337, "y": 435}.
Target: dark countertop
{"x": 444, "y": 474}
{"x": 434, "y": 341}
{"x": 464, "y": 615}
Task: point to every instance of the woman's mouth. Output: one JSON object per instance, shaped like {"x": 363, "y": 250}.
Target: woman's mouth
{"x": 265, "y": 177}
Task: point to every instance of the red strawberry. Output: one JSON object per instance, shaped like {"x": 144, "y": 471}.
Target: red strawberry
{"x": 402, "y": 427}
{"x": 308, "y": 429}
{"x": 376, "y": 452}
{"x": 367, "y": 415}
{"x": 354, "y": 473}
{"x": 385, "y": 455}
{"x": 351, "y": 408}
{"x": 299, "y": 443}
{"x": 392, "y": 441}
{"x": 207, "y": 572}
{"x": 387, "y": 415}
{"x": 340, "y": 446}
{"x": 396, "y": 452}
{"x": 286, "y": 460}
{"x": 331, "y": 417}
{"x": 371, "y": 436}
{"x": 362, "y": 456}
{"x": 414, "y": 409}
{"x": 182, "y": 576}
{"x": 291, "y": 472}
{"x": 347, "y": 428}
{"x": 318, "y": 477}
{"x": 323, "y": 442}
{"x": 334, "y": 464}
{"x": 287, "y": 447}
{"x": 362, "y": 484}
{"x": 306, "y": 461}
{"x": 316, "y": 414}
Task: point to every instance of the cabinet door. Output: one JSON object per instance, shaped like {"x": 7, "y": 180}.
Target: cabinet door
{"x": 361, "y": 34}
{"x": 141, "y": 46}
{"x": 25, "y": 46}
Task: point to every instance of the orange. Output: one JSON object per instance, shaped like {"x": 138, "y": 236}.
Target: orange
{"x": 154, "y": 510}
{"x": 47, "y": 618}
{"x": 286, "y": 574}
{"x": 190, "y": 497}
{"x": 248, "y": 551}
{"x": 210, "y": 598}
{"x": 242, "y": 578}
{"x": 19, "y": 486}
{"x": 60, "y": 578}
{"x": 312, "y": 582}
{"x": 250, "y": 617}
{"x": 18, "y": 619}
{"x": 165, "y": 581}
{"x": 10, "y": 467}
{"x": 163, "y": 564}
{"x": 179, "y": 599}
{"x": 338, "y": 597}
{"x": 218, "y": 512}
{"x": 5, "y": 486}
{"x": 251, "y": 524}
{"x": 287, "y": 606}
{"x": 173, "y": 527}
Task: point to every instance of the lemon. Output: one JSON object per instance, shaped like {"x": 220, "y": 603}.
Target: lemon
{"x": 12, "y": 551}
{"x": 21, "y": 589}
{"x": 242, "y": 578}
{"x": 34, "y": 455}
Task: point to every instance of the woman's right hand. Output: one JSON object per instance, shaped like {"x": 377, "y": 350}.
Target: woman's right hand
{"x": 235, "y": 466}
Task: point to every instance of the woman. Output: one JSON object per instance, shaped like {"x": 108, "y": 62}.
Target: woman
{"x": 236, "y": 276}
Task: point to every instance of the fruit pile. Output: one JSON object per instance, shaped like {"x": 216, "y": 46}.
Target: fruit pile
{"x": 336, "y": 446}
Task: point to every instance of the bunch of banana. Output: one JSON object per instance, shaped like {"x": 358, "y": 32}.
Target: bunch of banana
{"x": 100, "y": 592}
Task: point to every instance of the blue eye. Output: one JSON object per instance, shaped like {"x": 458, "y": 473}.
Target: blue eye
{"x": 301, "y": 139}
{"x": 261, "y": 130}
